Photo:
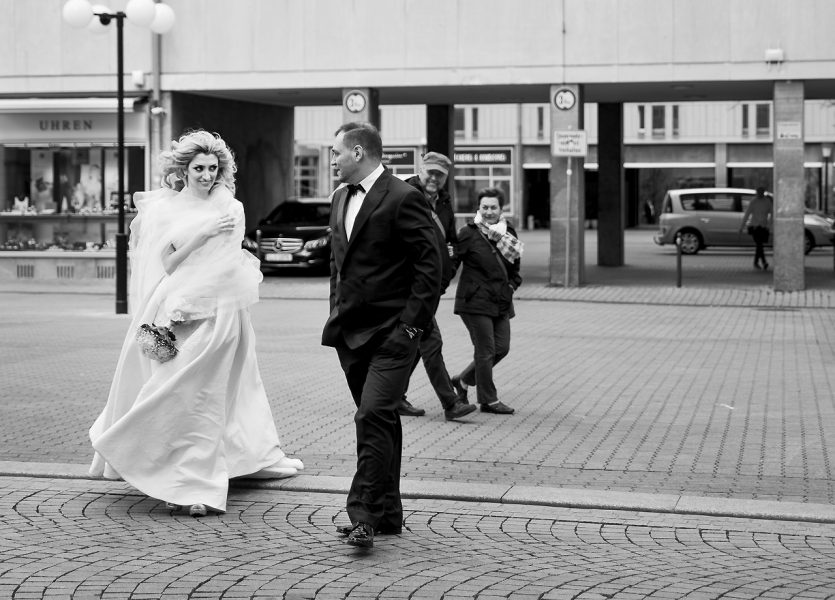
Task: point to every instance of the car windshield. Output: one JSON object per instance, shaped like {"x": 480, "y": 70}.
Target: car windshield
{"x": 298, "y": 213}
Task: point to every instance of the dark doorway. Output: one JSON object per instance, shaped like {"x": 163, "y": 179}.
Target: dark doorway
{"x": 537, "y": 198}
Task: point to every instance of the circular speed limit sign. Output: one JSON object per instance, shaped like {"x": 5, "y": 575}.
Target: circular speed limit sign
{"x": 565, "y": 99}
{"x": 355, "y": 101}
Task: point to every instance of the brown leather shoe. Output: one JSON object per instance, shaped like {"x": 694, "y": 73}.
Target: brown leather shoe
{"x": 361, "y": 536}
{"x": 497, "y": 408}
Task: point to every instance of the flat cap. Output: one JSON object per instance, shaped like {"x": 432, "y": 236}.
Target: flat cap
{"x": 436, "y": 160}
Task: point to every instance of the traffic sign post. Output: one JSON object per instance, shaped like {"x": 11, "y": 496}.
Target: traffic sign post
{"x": 569, "y": 144}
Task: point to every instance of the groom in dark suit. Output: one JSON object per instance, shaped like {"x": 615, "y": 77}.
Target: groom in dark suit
{"x": 384, "y": 288}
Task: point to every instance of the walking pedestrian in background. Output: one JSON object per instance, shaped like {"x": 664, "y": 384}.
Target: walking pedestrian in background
{"x": 431, "y": 181}
{"x": 490, "y": 255}
{"x": 758, "y": 218}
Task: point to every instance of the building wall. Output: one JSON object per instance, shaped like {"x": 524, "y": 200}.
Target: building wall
{"x": 282, "y": 44}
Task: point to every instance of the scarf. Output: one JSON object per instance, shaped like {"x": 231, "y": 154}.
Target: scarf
{"x": 508, "y": 245}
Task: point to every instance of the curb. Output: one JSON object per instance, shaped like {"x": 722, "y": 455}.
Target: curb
{"x": 502, "y": 494}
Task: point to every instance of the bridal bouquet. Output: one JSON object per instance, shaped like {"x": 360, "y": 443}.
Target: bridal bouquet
{"x": 156, "y": 343}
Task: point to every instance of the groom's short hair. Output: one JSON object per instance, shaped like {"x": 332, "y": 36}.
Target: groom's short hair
{"x": 362, "y": 134}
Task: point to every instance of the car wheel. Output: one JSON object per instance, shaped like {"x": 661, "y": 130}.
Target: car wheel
{"x": 690, "y": 241}
{"x": 808, "y": 243}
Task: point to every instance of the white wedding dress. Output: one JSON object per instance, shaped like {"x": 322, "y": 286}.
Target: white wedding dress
{"x": 179, "y": 430}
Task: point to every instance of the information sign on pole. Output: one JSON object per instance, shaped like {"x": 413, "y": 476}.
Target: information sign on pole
{"x": 570, "y": 143}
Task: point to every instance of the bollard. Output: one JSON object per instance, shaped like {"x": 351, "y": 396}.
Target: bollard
{"x": 678, "y": 261}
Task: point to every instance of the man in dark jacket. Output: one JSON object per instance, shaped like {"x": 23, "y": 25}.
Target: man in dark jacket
{"x": 384, "y": 290}
{"x": 430, "y": 181}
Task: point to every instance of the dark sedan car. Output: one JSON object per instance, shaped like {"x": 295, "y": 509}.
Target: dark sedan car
{"x": 295, "y": 234}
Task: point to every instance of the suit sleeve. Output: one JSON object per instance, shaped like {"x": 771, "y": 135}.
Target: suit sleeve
{"x": 416, "y": 228}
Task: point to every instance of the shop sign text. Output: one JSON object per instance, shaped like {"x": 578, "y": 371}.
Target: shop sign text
{"x": 65, "y": 125}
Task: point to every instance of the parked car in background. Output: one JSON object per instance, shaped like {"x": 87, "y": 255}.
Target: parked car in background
{"x": 705, "y": 217}
{"x": 296, "y": 234}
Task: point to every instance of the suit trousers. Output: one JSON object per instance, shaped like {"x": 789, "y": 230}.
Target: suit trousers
{"x": 430, "y": 349}
{"x": 377, "y": 375}
{"x": 491, "y": 343}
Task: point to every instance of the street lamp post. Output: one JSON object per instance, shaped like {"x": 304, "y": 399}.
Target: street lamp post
{"x": 826, "y": 153}
{"x": 159, "y": 18}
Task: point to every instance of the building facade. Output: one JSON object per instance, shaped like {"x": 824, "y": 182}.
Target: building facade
{"x": 490, "y": 84}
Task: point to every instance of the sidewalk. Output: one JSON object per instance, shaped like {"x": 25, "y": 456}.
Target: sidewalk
{"x": 637, "y": 396}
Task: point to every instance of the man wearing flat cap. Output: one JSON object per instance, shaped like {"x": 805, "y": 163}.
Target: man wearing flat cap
{"x": 431, "y": 180}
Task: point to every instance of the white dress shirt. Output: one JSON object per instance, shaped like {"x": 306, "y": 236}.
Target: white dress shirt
{"x": 355, "y": 201}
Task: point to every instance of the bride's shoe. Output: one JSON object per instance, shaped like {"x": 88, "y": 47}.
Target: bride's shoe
{"x": 172, "y": 506}
{"x": 197, "y": 510}
{"x": 293, "y": 463}
{"x": 273, "y": 473}
{"x": 284, "y": 467}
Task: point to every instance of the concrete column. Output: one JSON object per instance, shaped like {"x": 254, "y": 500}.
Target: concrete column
{"x": 611, "y": 209}
{"x": 567, "y": 260}
{"x": 440, "y": 133}
{"x": 361, "y": 104}
{"x": 789, "y": 186}
{"x": 720, "y": 169}
{"x": 440, "y": 137}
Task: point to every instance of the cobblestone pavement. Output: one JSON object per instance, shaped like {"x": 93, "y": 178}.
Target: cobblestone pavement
{"x": 730, "y": 402}
{"x": 95, "y": 539}
{"x": 678, "y": 406}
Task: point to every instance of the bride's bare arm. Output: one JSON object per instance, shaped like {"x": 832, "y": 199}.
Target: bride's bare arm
{"x": 172, "y": 257}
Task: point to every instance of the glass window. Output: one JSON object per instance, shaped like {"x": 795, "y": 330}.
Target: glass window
{"x": 724, "y": 202}
{"x": 475, "y": 122}
{"x": 469, "y": 180}
{"x": 642, "y": 119}
{"x": 751, "y": 177}
{"x": 458, "y": 123}
{"x": 540, "y": 122}
{"x": 675, "y": 120}
{"x": 305, "y": 171}
{"x": 744, "y": 120}
{"x": 696, "y": 202}
{"x": 658, "y": 124}
{"x": 763, "y": 120}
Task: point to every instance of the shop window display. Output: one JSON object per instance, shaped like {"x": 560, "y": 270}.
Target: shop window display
{"x": 64, "y": 198}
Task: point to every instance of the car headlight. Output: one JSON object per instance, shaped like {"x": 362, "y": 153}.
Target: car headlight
{"x": 317, "y": 243}
{"x": 249, "y": 244}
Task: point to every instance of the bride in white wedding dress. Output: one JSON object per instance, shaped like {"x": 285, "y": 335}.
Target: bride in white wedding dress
{"x": 179, "y": 430}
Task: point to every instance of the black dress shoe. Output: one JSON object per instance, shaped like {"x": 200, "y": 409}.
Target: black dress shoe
{"x": 405, "y": 409}
{"x": 497, "y": 408}
{"x": 458, "y": 410}
{"x": 362, "y": 536}
{"x": 460, "y": 390}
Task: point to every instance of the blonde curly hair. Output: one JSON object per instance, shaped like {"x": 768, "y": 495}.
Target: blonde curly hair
{"x": 174, "y": 163}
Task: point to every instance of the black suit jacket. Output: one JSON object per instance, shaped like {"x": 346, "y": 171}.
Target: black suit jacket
{"x": 390, "y": 269}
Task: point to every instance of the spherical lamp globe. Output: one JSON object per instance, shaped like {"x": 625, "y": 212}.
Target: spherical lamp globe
{"x": 77, "y": 13}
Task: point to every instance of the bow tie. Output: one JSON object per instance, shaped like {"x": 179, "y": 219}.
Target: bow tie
{"x": 353, "y": 189}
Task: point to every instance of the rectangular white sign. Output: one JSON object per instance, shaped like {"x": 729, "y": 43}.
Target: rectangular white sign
{"x": 789, "y": 130}
{"x": 570, "y": 143}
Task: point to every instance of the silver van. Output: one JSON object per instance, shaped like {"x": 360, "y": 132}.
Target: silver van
{"x": 704, "y": 217}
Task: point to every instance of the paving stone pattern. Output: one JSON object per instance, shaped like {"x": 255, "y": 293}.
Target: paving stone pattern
{"x": 95, "y": 539}
{"x": 707, "y": 400}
